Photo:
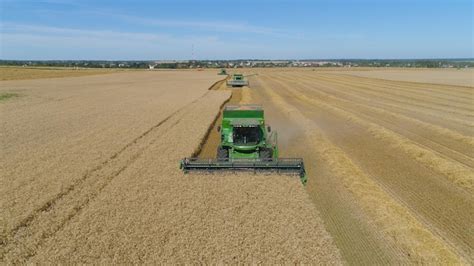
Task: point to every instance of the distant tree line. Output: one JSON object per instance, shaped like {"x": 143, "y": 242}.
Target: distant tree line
{"x": 423, "y": 63}
{"x": 419, "y": 63}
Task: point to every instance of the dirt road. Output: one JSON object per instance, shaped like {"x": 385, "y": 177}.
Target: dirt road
{"x": 390, "y": 162}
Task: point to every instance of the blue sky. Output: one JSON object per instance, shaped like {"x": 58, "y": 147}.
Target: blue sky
{"x": 209, "y": 29}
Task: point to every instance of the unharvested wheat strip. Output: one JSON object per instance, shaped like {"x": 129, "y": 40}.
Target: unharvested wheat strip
{"x": 463, "y": 99}
{"x": 443, "y": 116}
{"x": 438, "y": 130}
{"x": 394, "y": 220}
{"x": 25, "y": 242}
{"x": 396, "y": 97}
{"x": 454, "y": 171}
{"x": 82, "y": 121}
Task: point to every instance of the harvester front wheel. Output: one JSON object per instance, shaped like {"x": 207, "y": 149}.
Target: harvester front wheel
{"x": 222, "y": 154}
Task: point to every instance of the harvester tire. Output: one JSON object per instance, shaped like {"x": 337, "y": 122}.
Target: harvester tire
{"x": 266, "y": 153}
{"x": 222, "y": 154}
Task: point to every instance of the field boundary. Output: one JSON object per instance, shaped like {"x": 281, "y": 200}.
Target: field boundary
{"x": 198, "y": 149}
{"x": 216, "y": 85}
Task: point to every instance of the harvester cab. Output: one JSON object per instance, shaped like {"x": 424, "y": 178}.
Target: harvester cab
{"x": 244, "y": 135}
{"x": 247, "y": 143}
{"x": 237, "y": 80}
{"x": 222, "y": 72}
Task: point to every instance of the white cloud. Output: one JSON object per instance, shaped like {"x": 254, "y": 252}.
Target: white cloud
{"x": 214, "y": 26}
{"x": 35, "y": 42}
{"x": 10, "y": 28}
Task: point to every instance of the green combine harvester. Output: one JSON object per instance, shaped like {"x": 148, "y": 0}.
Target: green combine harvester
{"x": 222, "y": 72}
{"x": 247, "y": 144}
{"x": 237, "y": 80}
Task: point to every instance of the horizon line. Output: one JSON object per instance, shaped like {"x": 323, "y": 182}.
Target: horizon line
{"x": 246, "y": 59}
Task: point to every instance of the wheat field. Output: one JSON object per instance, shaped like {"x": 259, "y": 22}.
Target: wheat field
{"x": 89, "y": 169}
{"x": 22, "y": 73}
{"x": 90, "y": 174}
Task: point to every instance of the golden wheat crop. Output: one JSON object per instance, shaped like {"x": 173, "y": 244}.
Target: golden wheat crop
{"x": 22, "y": 73}
{"x": 89, "y": 169}
{"x": 90, "y": 175}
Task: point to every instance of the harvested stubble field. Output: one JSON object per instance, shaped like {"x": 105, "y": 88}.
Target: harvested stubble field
{"x": 459, "y": 77}
{"x": 89, "y": 173}
{"x": 390, "y": 162}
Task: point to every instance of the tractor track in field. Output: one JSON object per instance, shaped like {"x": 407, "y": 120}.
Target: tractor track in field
{"x": 81, "y": 192}
{"x": 354, "y": 235}
{"x": 332, "y": 93}
{"x": 433, "y": 121}
{"x": 442, "y": 149}
{"x": 433, "y": 222}
{"x": 421, "y": 93}
{"x": 394, "y": 217}
{"x": 463, "y": 89}
{"x": 392, "y": 103}
{"x": 78, "y": 186}
{"x": 436, "y": 153}
{"x": 424, "y": 101}
{"x": 406, "y": 101}
{"x": 446, "y": 217}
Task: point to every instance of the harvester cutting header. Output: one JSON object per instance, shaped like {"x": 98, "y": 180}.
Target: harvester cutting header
{"x": 247, "y": 144}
